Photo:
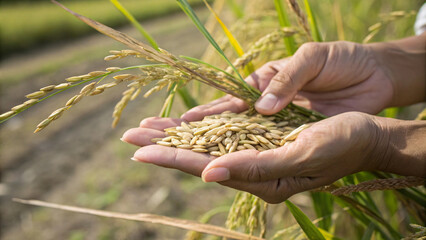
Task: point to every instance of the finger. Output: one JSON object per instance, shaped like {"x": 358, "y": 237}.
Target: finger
{"x": 194, "y": 114}
{"x": 142, "y": 136}
{"x": 160, "y": 123}
{"x": 181, "y": 159}
{"x": 254, "y": 166}
{"x": 227, "y": 103}
{"x": 274, "y": 191}
{"x": 265, "y": 190}
{"x": 291, "y": 76}
{"x": 263, "y": 75}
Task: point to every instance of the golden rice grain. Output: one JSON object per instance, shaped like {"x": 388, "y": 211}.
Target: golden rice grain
{"x": 229, "y": 132}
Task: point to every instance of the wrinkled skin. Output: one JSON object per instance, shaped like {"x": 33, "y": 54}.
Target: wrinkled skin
{"x": 321, "y": 154}
{"x": 333, "y": 78}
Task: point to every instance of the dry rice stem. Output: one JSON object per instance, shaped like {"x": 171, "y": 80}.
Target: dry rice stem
{"x": 301, "y": 18}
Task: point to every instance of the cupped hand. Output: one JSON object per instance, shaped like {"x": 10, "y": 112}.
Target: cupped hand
{"x": 332, "y": 78}
{"x": 323, "y": 153}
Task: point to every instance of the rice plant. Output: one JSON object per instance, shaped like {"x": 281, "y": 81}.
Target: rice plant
{"x": 229, "y": 132}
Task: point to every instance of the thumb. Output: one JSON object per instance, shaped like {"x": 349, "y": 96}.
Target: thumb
{"x": 252, "y": 166}
{"x": 291, "y": 76}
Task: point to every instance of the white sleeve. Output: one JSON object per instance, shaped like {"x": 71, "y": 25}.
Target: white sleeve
{"x": 420, "y": 25}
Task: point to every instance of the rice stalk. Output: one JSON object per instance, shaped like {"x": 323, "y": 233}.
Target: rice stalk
{"x": 284, "y": 22}
{"x": 386, "y": 19}
{"x": 268, "y": 41}
{"x": 232, "y": 40}
{"x": 227, "y": 84}
{"x": 301, "y": 17}
{"x": 149, "y": 218}
{"x": 316, "y": 35}
{"x": 419, "y": 234}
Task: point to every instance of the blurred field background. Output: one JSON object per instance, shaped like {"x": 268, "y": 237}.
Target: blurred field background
{"x": 79, "y": 160}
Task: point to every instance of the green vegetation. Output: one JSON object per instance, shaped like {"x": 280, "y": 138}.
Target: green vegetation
{"x": 28, "y": 25}
{"x": 381, "y": 215}
{"x": 356, "y": 17}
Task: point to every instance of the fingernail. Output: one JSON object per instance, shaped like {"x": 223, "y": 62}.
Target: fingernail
{"x": 122, "y": 139}
{"x": 139, "y": 160}
{"x": 267, "y": 102}
{"x": 216, "y": 175}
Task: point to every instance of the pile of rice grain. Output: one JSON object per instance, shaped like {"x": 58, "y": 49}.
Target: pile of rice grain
{"x": 229, "y": 132}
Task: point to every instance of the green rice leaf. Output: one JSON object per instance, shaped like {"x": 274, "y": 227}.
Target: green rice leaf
{"x": 232, "y": 40}
{"x": 366, "y": 211}
{"x": 307, "y": 226}
{"x": 316, "y": 35}
{"x": 187, "y": 98}
{"x": 289, "y": 42}
{"x": 361, "y": 217}
{"x": 323, "y": 205}
{"x": 327, "y": 235}
{"x": 136, "y": 24}
{"x": 191, "y": 14}
{"x": 369, "y": 232}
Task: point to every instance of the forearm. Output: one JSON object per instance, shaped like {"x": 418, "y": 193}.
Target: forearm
{"x": 402, "y": 146}
{"x": 404, "y": 62}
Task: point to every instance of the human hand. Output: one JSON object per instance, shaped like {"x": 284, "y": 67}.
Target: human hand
{"x": 331, "y": 78}
{"x": 323, "y": 153}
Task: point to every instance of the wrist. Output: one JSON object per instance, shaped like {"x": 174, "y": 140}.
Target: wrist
{"x": 400, "y": 147}
{"x": 403, "y": 62}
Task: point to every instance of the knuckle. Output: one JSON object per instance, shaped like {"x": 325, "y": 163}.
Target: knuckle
{"x": 310, "y": 47}
{"x": 283, "y": 77}
{"x": 149, "y": 120}
{"x": 254, "y": 173}
{"x": 282, "y": 83}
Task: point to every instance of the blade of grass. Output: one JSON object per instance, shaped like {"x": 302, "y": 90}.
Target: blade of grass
{"x": 323, "y": 206}
{"x": 136, "y": 24}
{"x": 369, "y": 232}
{"x": 361, "y": 217}
{"x": 316, "y": 35}
{"x": 191, "y": 14}
{"x": 307, "y": 226}
{"x": 367, "y": 211}
{"x": 327, "y": 235}
{"x": 188, "y": 100}
{"x": 289, "y": 42}
{"x": 362, "y": 197}
{"x": 232, "y": 40}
